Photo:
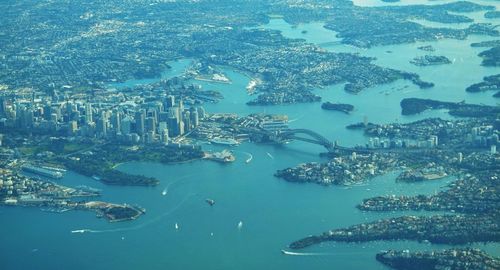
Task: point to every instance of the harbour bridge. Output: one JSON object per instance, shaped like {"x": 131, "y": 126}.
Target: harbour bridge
{"x": 312, "y": 137}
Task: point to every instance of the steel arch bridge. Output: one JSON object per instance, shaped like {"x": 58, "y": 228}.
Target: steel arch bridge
{"x": 313, "y": 137}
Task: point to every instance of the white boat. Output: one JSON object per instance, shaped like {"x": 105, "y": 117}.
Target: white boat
{"x": 80, "y": 231}
{"x": 164, "y": 192}
{"x": 240, "y": 225}
{"x": 176, "y": 226}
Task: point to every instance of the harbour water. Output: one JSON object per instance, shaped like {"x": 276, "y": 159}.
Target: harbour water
{"x": 273, "y": 211}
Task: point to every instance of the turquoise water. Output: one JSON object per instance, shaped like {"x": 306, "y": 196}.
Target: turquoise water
{"x": 273, "y": 212}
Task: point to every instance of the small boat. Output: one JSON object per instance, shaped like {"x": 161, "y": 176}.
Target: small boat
{"x": 240, "y": 225}
{"x": 210, "y": 202}
{"x": 80, "y": 231}
{"x": 164, "y": 192}
{"x": 176, "y": 226}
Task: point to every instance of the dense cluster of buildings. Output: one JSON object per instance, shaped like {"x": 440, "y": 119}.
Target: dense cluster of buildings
{"x": 439, "y": 229}
{"x": 455, "y": 258}
{"x": 346, "y": 170}
{"x": 150, "y": 122}
{"x": 430, "y": 133}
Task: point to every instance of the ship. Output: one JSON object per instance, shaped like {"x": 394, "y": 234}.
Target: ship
{"x": 224, "y": 141}
{"x": 42, "y": 171}
{"x": 210, "y": 202}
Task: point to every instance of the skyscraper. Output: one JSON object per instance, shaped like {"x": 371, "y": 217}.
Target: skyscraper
{"x": 170, "y": 102}
{"x": 139, "y": 122}
{"x": 88, "y": 113}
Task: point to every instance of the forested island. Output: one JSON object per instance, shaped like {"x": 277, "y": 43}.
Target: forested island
{"x": 341, "y": 107}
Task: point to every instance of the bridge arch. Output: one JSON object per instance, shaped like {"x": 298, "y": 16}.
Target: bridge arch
{"x": 314, "y": 137}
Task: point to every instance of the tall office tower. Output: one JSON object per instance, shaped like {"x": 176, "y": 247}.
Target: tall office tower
{"x": 29, "y": 118}
{"x": 163, "y": 117}
{"x": 102, "y": 127}
{"x": 126, "y": 125}
{"x": 172, "y": 126}
{"x": 195, "y": 120}
{"x": 175, "y": 112}
{"x": 186, "y": 118}
{"x": 181, "y": 127}
{"x": 170, "y": 102}
{"x": 150, "y": 137}
{"x": 181, "y": 106}
{"x": 3, "y": 105}
{"x": 72, "y": 127}
{"x": 88, "y": 113}
{"x": 164, "y": 136}
{"x": 47, "y": 111}
{"x": 139, "y": 122}
{"x": 435, "y": 141}
{"x": 152, "y": 113}
{"x": 116, "y": 121}
{"x": 201, "y": 112}
{"x": 150, "y": 125}
{"x": 69, "y": 108}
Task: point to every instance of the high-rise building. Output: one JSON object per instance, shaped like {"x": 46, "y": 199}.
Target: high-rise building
{"x": 201, "y": 112}
{"x": 195, "y": 119}
{"x": 102, "y": 127}
{"x": 126, "y": 125}
{"x": 181, "y": 128}
{"x": 170, "y": 102}
{"x": 72, "y": 127}
{"x": 139, "y": 122}
{"x": 116, "y": 121}
{"x": 172, "y": 126}
{"x": 164, "y": 136}
{"x": 186, "y": 118}
{"x": 88, "y": 113}
{"x": 3, "y": 106}
{"x": 150, "y": 124}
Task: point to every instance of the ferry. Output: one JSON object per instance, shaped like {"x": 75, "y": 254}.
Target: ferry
{"x": 210, "y": 202}
{"x": 80, "y": 231}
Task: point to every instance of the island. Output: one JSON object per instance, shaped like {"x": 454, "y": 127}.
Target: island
{"x": 427, "y": 48}
{"x": 430, "y": 60}
{"x": 341, "y": 107}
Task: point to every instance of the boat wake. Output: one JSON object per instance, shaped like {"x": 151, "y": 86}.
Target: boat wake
{"x": 249, "y": 156}
{"x": 285, "y": 252}
{"x": 295, "y": 119}
{"x": 269, "y": 155}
